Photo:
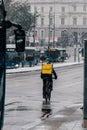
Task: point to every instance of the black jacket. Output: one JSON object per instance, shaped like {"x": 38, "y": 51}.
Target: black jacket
{"x": 49, "y": 76}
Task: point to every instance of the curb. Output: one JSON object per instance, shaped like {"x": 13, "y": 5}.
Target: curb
{"x": 37, "y": 68}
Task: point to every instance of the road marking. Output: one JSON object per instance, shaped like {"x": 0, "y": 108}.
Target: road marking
{"x": 28, "y": 126}
{"x": 59, "y": 116}
{"x": 42, "y": 127}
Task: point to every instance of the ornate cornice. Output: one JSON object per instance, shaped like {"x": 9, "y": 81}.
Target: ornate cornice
{"x": 57, "y": 2}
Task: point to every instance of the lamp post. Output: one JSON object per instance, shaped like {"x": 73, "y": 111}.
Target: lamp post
{"x": 35, "y": 11}
{"x": 54, "y": 27}
{"x": 49, "y": 32}
{"x": 74, "y": 50}
{"x": 85, "y": 86}
{"x": 34, "y": 27}
{"x": 2, "y": 61}
{"x": 75, "y": 44}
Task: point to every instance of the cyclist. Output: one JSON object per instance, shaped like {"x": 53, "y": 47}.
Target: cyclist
{"x": 48, "y": 76}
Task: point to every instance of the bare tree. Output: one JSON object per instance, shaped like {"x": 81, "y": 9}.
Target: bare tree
{"x": 20, "y": 13}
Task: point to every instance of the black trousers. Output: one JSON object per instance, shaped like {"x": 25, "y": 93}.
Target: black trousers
{"x": 44, "y": 86}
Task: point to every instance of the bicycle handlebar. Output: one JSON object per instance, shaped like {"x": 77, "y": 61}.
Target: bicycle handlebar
{"x": 48, "y": 78}
{"x": 53, "y": 78}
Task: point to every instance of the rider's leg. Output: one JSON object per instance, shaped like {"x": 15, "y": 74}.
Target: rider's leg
{"x": 51, "y": 85}
{"x": 44, "y": 88}
{"x": 43, "y": 91}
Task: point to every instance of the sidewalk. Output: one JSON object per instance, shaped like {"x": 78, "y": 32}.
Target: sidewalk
{"x": 27, "y": 69}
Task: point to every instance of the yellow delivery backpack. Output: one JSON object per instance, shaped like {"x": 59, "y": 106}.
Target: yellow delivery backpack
{"x": 47, "y": 68}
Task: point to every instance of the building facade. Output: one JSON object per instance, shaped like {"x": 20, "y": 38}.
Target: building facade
{"x": 60, "y": 21}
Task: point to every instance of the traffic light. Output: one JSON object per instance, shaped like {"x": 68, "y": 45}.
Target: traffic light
{"x": 20, "y": 40}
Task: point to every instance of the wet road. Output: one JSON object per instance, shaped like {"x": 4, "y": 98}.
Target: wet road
{"x": 24, "y": 105}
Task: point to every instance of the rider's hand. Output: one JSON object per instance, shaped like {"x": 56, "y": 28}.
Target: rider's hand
{"x": 55, "y": 77}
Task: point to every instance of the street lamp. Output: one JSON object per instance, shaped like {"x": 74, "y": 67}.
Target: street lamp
{"x": 34, "y": 26}
{"x": 85, "y": 86}
{"x": 2, "y": 61}
{"x": 35, "y": 15}
{"x": 54, "y": 26}
{"x": 75, "y": 44}
{"x": 49, "y": 32}
{"x": 51, "y": 36}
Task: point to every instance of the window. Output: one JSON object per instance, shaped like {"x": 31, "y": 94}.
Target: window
{"x": 42, "y": 9}
{"x": 62, "y": 21}
{"x": 74, "y": 21}
{"x": 35, "y": 9}
{"x": 35, "y": 21}
{"x": 51, "y": 21}
{"x": 74, "y": 7}
{"x": 35, "y": 33}
{"x": 42, "y": 21}
{"x": 51, "y": 33}
{"x": 51, "y": 9}
{"x": 84, "y": 21}
{"x": 42, "y": 34}
{"x": 63, "y": 9}
{"x": 84, "y": 7}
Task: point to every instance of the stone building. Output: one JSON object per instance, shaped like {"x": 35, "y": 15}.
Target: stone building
{"x": 59, "y": 21}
